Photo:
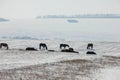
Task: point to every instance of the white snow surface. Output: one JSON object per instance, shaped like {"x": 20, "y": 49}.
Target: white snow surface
{"x": 18, "y": 57}
{"x": 109, "y": 74}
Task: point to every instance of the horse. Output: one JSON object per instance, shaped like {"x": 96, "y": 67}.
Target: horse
{"x": 43, "y": 46}
{"x": 69, "y": 50}
{"x": 31, "y": 49}
{"x": 90, "y": 46}
{"x": 91, "y": 52}
{"x": 64, "y": 46}
{"x": 4, "y": 45}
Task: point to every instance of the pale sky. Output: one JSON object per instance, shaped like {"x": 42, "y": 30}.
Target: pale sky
{"x": 33, "y": 8}
{"x": 22, "y": 15}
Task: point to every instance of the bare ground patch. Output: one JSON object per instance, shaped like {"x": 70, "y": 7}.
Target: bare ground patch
{"x": 78, "y": 69}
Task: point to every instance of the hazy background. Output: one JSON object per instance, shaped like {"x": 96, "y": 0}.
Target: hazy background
{"x": 22, "y": 19}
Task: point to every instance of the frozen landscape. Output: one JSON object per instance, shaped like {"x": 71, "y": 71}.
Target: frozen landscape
{"x": 24, "y": 24}
{"x": 19, "y": 64}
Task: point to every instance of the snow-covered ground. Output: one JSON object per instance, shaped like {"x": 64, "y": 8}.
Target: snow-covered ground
{"x": 109, "y": 74}
{"x": 17, "y": 57}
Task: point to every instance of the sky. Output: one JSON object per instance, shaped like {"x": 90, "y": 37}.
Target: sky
{"x": 33, "y": 8}
{"x": 18, "y": 17}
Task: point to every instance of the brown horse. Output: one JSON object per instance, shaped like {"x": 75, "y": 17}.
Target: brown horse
{"x": 4, "y": 45}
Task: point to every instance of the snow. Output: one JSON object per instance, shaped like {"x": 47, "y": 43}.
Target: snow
{"x": 17, "y": 57}
{"x": 109, "y": 74}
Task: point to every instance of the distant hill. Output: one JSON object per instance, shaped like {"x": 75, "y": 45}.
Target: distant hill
{"x": 82, "y": 16}
{"x": 18, "y": 37}
{"x": 72, "y": 21}
{"x": 3, "y": 20}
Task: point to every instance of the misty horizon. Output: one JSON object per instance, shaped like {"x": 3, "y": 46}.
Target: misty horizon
{"x": 87, "y": 20}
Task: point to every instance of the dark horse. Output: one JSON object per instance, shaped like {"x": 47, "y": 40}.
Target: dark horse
{"x": 43, "y": 46}
{"x": 4, "y": 45}
{"x": 64, "y": 46}
{"x": 31, "y": 49}
{"x": 91, "y": 52}
{"x": 90, "y": 46}
{"x": 69, "y": 50}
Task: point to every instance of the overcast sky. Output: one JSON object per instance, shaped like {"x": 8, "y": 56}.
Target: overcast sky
{"x": 33, "y": 8}
{"x": 20, "y": 17}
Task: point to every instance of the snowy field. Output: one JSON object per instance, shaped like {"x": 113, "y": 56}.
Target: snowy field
{"x": 18, "y": 64}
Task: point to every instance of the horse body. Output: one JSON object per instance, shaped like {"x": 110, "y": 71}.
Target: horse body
{"x": 4, "y": 45}
{"x": 64, "y": 46}
{"x": 31, "y": 49}
{"x": 43, "y": 46}
{"x": 69, "y": 50}
{"x": 90, "y": 46}
{"x": 91, "y": 52}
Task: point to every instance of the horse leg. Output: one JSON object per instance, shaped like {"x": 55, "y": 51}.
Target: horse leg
{"x": 92, "y": 47}
{"x": 7, "y": 47}
{"x": 40, "y": 47}
{"x": 64, "y": 47}
{"x": 0, "y": 46}
{"x": 46, "y": 48}
{"x": 87, "y": 47}
{"x": 60, "y": 46}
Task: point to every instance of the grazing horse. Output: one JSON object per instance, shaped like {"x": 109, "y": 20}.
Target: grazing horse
{"x": 69, "y": 50}
{"x": 91, "y": 52}
{"x": 64, "y": 46}
{"x": 43, "y": 46}
{"x": 4, "y": 45}
{"x": 90, "y": 46}
{"x": 31, "y": 49}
